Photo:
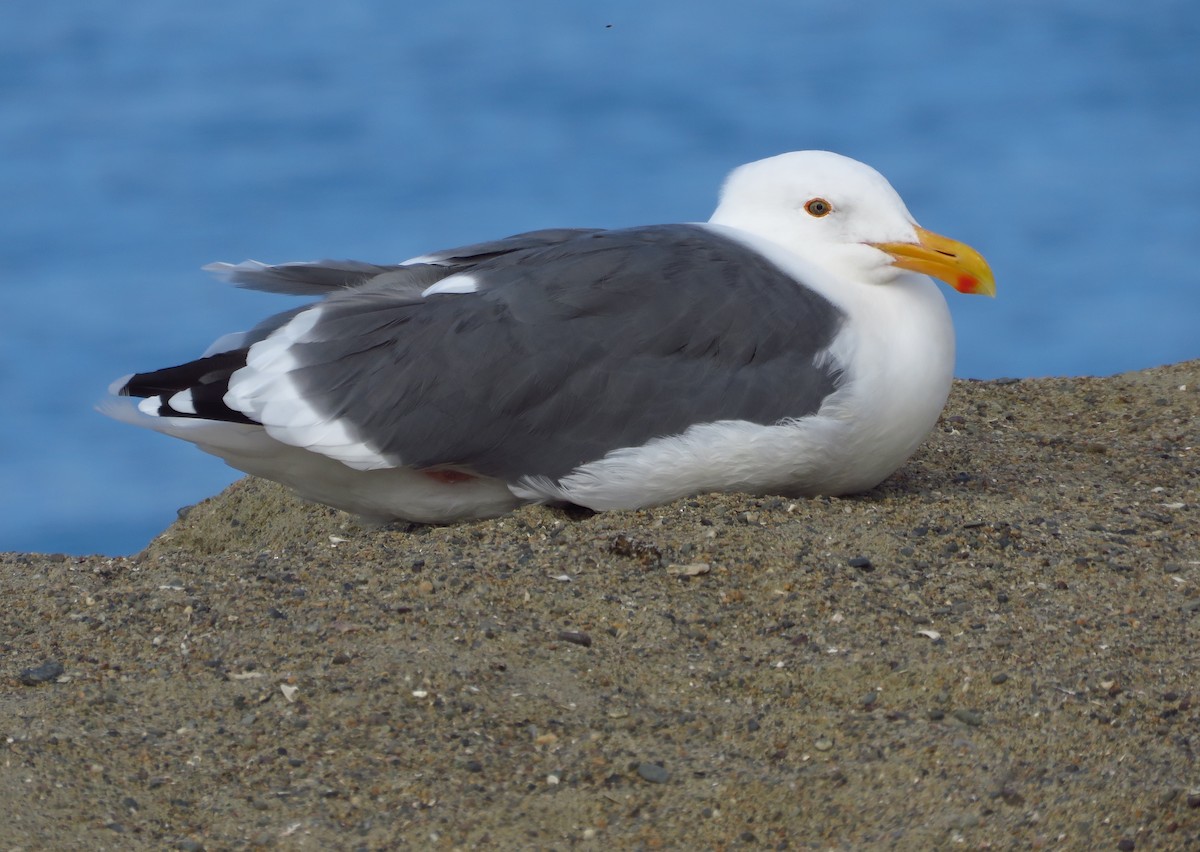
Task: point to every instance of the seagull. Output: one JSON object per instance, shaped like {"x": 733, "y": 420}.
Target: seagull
{"x": 791, "y": 345}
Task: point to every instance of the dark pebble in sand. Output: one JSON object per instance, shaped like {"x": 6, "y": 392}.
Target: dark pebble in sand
{"x": 1011, "y": 797}
{"x": 860, "y": 562}
{"x": 999, "y": 678}
{"x": 969, "y": 717}
{"x": 653, "y": 773}
{"x": 190, "y": 846}
{"x": 47, "y": 671}
{"x": 1126, "y": 844}
{"x": 575, "y": 638}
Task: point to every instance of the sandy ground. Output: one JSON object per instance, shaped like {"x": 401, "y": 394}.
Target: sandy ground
{"x": 998, "y": 648}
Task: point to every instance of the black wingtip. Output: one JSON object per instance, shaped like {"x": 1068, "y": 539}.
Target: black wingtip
{"x": 207, "y": 379}
{"x": 171, "y": 380}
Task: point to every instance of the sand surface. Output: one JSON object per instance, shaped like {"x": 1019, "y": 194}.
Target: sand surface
{"x": 997, "y": 648}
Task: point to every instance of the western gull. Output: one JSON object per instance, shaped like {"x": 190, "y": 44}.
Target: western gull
{"x": 790, "y": 345}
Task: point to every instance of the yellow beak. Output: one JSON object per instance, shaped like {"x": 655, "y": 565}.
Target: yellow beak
{"x": 956, "y": 263}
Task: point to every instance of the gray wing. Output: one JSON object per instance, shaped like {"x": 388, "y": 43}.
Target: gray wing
{"x": 309, "y": 278}
{"x": 322, "y": 277}
{"x": 589, "y": 343}
{"x": 394, "y": 284}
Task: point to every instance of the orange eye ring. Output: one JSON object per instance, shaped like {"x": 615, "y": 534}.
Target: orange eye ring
{"x": 818, "y": 207}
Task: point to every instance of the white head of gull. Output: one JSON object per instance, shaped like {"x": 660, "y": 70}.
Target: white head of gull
{"x": 792, "y": 345}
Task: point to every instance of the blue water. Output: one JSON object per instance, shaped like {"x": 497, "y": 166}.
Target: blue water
{"x": 140, "y": 140}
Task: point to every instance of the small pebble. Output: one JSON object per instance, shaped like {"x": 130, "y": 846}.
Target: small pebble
{"x": 823, "y": 744}
{"x": 1011, "y": 797}
{"x": 969, "y": 717}
{"x": 695, "y": 569}
{"x": 653, "y": 773}
{"x": 860, "y": 562}
{"x": 999, "y": 678}
{"x": 575, "y": 637}
{"x": 47, "y": 671}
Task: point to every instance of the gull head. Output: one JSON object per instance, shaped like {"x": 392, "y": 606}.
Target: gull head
{"x": 845, "y": 217}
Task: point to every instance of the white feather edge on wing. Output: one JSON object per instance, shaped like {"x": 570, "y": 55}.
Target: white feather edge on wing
{"x": 265, "y": 391}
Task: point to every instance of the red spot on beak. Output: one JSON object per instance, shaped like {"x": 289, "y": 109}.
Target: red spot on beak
{"x": 967, "y": 284}
{"x": 447, "y": 476}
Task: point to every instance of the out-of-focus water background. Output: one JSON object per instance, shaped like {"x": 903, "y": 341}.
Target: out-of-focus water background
{"x": 140, "y": 140}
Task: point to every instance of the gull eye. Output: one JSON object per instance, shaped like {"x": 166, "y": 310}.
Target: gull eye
{"x": 818, "y": 207}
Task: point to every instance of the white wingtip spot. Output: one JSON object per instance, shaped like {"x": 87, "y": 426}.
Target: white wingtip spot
{"x": 459, "y": 284}
{"x": 182, "y": 402}
{"x": 150, "y": 405}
